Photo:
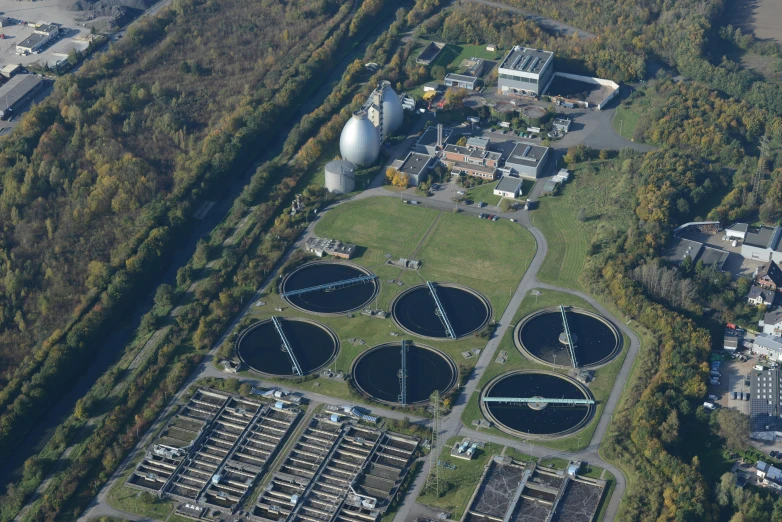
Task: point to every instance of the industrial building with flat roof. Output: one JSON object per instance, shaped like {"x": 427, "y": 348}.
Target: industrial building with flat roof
{"x": 527, "y": 160}
{"x": 433, "y": 140}
{"x": 40, "y": 37}
{"x": 508, "y": 187}
{"x": 416, "y": 167}
{"x": 763, "y": 244}
{"x": 765, "y": 407}
{"x": 525, "y": 72}
{"x": 461, "y": 80}
{"x": 17, "y": 91}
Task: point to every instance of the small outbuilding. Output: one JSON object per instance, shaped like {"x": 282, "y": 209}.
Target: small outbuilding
{"x": 736, "y": 231}
{"x": 491, "y": 47}
{"x": 460, "y": 80}
{"x": 508, "y": 187}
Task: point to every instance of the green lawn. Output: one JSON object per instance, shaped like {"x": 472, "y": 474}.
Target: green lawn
{"x": 138, "y": 502}
{"x": 600, "y": 387}
{"x": 452, "y": 55}
{"x": 458, "y": 484}
{"x": 625, "y": 122}
{"x": 596, "y": 206}
{"x": 490, "y": 257}
{"x": 484, "y": 193}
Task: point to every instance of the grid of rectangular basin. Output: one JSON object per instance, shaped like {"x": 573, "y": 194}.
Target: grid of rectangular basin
{"x": 540, "y": 495}
{"x": 235, "y": 440}
{"x": 383, "y": 474}
{"x": 315, "y": 478}
{"x": 498, "y": 490}
{"x": 579, "y": 502}
{"x": 169, "y": 449}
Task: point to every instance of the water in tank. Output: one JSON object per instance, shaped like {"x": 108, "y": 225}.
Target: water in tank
{"x": 340, "y": 176}
{"x": 359, "y": 142}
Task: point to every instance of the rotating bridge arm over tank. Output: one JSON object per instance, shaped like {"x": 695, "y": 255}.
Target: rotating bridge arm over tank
{"x": 288, "y": 349}
{"x": 538, "y": 400}
{"x": 442, "y": 315}
{"x": 569, "y": 338}
{"x": 332, "y": 286}
{"x": 403, "y": 376}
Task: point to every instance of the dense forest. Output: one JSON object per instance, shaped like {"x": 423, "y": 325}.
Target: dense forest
{"x": 240, "y": 252}
{"x": 99, "y": 178}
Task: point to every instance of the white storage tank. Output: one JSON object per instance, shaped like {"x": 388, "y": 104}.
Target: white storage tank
{"x": 340, "y": 176}
{"x": 359, "y": 142}
{"x": 392, "y": 112}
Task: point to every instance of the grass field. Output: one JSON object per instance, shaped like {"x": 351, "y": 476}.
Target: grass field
{"x": 452, "y": 55}
{"x": 600, "y": 387}
{"x": 490, "y": 257}
{"x": 625, "y": 122}
{"x": 484, "y": 193}
{"x": 607, "y": 198}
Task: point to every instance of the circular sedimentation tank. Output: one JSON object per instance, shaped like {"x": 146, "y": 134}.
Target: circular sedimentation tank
{"x": 540, "y": 336}
{"x": 538, "y": 419}
{"x": 376, "y": 372}
{"x": 330, "y": 300}
{"x": 261, "y": 348}
{"x": 416, "y": 312}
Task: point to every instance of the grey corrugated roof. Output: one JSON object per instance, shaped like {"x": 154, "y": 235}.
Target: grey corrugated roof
{"x": 772, "y": 342}
{"x": 508, "y": 184}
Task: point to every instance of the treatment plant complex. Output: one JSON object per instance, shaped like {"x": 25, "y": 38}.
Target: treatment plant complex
{"x": 401, "y": 341}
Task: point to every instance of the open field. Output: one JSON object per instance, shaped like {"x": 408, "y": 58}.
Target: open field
{"x": 625, "y": 121}
{"x": 767, "y": 20}
{"x": 607, "y": 198}
{"x": 600, "y": 386}
{"x": 490, "y": 257}
{"x": 452, "y": 55}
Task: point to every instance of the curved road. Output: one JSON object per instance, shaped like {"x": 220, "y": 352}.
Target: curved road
{"x": 451, "y": 425}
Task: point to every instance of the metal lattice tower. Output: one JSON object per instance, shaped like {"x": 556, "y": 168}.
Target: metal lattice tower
{"x": 433, "y": 480}
{"x": 752, "y": 197}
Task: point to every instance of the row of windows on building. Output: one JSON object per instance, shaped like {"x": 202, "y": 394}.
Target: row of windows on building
{"x": 533, "y": 81}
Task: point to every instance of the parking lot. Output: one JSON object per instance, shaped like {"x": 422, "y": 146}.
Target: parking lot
{"x": 734, "y": 378}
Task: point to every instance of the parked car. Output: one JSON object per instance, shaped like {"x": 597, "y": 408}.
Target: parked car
{"x": 495, "y": 218}
{"x": 481, "y": 215}
{"x": 481, "y": 204}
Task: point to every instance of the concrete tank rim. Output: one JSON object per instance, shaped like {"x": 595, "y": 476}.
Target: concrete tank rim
{"x": 448, "y": 359}
{"x": 263, "y": 322}
{"x": 481, "y": 297}
{"x": 523, "y": 350}
{"x": 486, "y": 412}
{"x": 364, "y": 270}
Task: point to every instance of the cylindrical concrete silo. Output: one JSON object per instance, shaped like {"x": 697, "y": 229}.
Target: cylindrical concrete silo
{"x": 359, "y": 142}
{"x": 340, "y": 176}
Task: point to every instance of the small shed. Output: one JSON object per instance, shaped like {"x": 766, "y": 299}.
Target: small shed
{"x": 491, "y": 47}
{"x": 10, "y": 70}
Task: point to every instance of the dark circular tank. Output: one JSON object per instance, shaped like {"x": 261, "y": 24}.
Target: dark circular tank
{"x": 376, "y": 372}
{"x": 261, "y": 348}
{"x": 540, "y": 337}
{"x": 415, "y": 311}
{"x": 537, "y": 419}
{"x": 328, "y": 300}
